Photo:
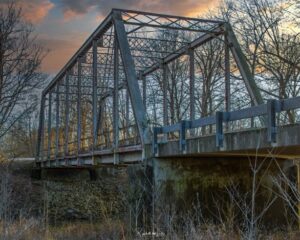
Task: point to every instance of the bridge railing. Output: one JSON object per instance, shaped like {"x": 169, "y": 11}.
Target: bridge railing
{"x": 267, "y": 112}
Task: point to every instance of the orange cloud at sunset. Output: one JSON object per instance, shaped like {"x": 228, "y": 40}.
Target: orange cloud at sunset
{"x": 35, "y": 10}
{"x": 187, "y": 8}
{"x": 69, "y": 15}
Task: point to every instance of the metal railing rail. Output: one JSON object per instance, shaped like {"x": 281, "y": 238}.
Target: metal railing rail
{"x": 269, "y": 110}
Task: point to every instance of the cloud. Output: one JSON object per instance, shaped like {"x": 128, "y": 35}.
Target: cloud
{"x": 73, "y": 8}
{"x": 35, "y": 11}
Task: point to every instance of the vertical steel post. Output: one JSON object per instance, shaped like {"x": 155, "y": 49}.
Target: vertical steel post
{"x": 127, "y": 114}
{"x": 57, "y": 124}
{"x": 116, "y": 102}
{"x": 227, "y": 77}
{"x": 95, "y": 47}
{"x": 79, "y": 108}
{"x": 192, "y": 83}
{"x": 67, "y": 117}
{"x": 100, "y": 118}
{"x": 227, "y": 96}
{"x": 143, "y": 78}
{"x": 165, "y": 94}
{"x": 40, "y": 140}
{"x": 49, "y": 124}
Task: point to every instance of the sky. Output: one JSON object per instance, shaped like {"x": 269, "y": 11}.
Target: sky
{"x": 62, "y": 26}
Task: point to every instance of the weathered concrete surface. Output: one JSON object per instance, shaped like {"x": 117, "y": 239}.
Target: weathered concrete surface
{"x": 185, "y": 186}
{"x": 241, "y": 143}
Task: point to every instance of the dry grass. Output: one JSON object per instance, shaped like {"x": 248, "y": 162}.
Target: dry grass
{"x": 33, "y": 229}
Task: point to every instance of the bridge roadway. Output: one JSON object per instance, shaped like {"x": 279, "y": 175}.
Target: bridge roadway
{"x": 251, "y": 142}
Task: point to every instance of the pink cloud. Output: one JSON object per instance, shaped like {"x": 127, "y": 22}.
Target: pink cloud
{"x": 35, "y": 11}
{"x": 74, "y": 8}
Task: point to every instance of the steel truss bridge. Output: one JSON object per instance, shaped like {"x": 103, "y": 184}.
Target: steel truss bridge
{"x": 110, "y": 104}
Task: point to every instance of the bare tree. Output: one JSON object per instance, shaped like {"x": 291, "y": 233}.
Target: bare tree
{"x": 288, "y": 188}
{"x": 270, "y": 43}
{"x": 20, "y": 60}
{"x": 174, "y": 79}
{"x": 20, "y": 140}
{"x": 247, "y": 202}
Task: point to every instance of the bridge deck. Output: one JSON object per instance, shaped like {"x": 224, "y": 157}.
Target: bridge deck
{"x": 126, "y": 155}
{"x": 236, "y": 144}
{"x": 243, "y": 143}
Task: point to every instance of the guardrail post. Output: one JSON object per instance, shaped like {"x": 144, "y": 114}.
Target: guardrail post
{"x": 219, "y": 129}
{"x": 182, "y": 135}
{"x": 271, "y": 120}
{"x": 156, "y": 130}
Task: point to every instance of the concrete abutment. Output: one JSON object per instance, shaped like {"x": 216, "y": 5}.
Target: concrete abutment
{"x": 165, "y": 188}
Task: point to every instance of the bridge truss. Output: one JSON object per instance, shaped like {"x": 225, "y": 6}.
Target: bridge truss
{"x": 99, "y": 107}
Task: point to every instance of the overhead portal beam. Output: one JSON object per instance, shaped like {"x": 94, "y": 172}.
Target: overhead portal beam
{"x": 199, "y": 20}
{"x": 183, "y": 50}
{"x": 169, "y": 27}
